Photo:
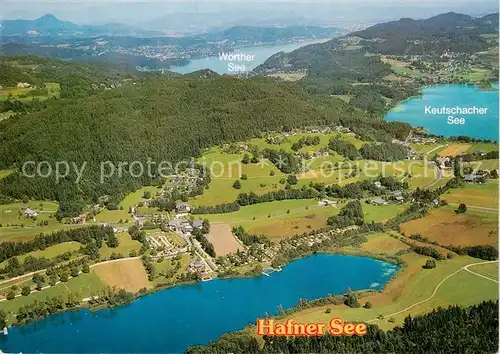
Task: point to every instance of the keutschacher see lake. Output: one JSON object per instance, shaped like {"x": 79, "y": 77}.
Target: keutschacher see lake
{"x": 173, "y": 319}
{"x": 250, "y": 58}
{"x": 430, "y": 111}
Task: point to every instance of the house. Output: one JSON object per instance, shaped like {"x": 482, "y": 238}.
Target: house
{"x": 479, "y": 153}
{"x": 473, "y": 178}
{"x": 443, "y": 162}
{"x": 183, "y": 208}
{"x": 139, "y": 222}
{"x": 198, "y": 224}
{"x": 378, "y": 201}
{"x": 30, "y": 212}
{"x": 175, "y": 224}
{"x": 399, "y": 198}
{"x": 377, "y": 184}
{"x": 196, "y": 266}
{"x": 326, "y": 202}
{"x": 186, "y": 227}
{"x": 23, "y": 85}
{"x": 80, "y": 219}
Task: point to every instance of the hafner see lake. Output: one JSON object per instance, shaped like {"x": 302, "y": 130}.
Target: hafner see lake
{"x": 417, "y": 111}
{"x": 257, "y": 54}
{"x": 173, "y": 319}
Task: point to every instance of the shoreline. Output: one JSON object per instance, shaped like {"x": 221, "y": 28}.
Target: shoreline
{"x": 347, "y": 253}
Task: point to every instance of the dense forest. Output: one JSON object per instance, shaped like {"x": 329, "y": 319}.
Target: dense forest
{"x": 452, "y": 330}
{"x": 159, "y": 119}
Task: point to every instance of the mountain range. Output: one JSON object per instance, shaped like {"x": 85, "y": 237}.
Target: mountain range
{"x": 49, "y": 25}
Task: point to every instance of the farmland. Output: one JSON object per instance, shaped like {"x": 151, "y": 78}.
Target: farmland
{"x": 479, "y": 195}
{"x": 127, "y": 274}
{"x": 472, "y": 228}
{"x": 222, "y": 238}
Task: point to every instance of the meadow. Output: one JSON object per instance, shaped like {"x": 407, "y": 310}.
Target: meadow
{"x": 483, "y": 195}
{"x": 472, "y": 228}
{"x": 127, "y": 274}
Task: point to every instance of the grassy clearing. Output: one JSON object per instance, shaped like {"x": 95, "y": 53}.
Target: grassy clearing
{"x": 50, "y": 252}
{"x": 489, "y": 270}
{"x": 487, "y": 165}
{"x": 382, "y": 213}
{"x": 27, "y": 94}
{"x": 114, "y": 217}
{"x": 426, "y": 148}
{"x": 383, "y": 243}
{"x": 481, "y": 195}
{"x": 126, "y": 245}
{"x": 126, "y": 274}
{"x": 400, "y": 67}
{"x": 19, "y": 234}
{"x": 287, "y": 225}
{"x": 476, "y": 74}
{"x": 13, "y": 213}
{"x": 455, "y": 149}
{"x": 84, "y": 285}
{"x": 262, "y": 211}
{"x": 168, "y": 271}
{"x": 486, "y": 147}
{"x": 471, "y": 228}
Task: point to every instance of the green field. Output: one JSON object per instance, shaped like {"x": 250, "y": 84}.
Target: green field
{"x": 382, "y": 213}
{"x": 125, "y": 246}
{"x": 84, "y": 286}
{"x": 167, "y": 266}
{"x": 487, "y": 165}
{"x": 486, "y": 147}
{"x": 50, "y": 252}
{"x": 262, "y": 211}
{"x": 24, "y": 94}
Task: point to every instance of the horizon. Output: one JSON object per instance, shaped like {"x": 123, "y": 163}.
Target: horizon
{"x": 152, "y": 15}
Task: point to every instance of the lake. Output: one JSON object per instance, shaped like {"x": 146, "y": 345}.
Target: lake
{"x": 482, "y": 126}
{"x": 173, "y": 319}
{"x": 260, "y": 53}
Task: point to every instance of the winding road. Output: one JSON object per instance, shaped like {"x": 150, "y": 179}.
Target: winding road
{"x": 439, "y": 285}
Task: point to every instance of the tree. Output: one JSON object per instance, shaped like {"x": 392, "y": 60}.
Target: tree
{"x": 146, "y": 195}
{"x": 237, "y": 184}
{"x": 26, "y": 290}
{"x": 85, "y": 268}
{"x": 3, "y": 318}
{"x": 368, "y": 305}
{"x": 246, "y": 159}
{"x": 74, "y": 272}
{"x": 11, "y": 295}
{"x": 292, "y": 179}
{"x": 271, "y": 173}
{"x": 244, "y": 177}
{"x": 351, "y": 299}
{"x": 462, "y": 208}
{"x": 429, "y": 264}
{"x": 494, "y": 174}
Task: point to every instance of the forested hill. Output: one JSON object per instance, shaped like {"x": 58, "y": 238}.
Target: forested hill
{"x": 448, "y": 24}
{"x": 248, "y": 34}
{"x": 162, "y": 119}
{"x": 452, "y": 330}
{"x": 451, "y": 31}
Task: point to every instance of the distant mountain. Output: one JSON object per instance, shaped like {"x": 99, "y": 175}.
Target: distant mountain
{"x": 447, "y": 32}
{"x": 49, "y": 25}
{"x": 442, "y": 25}
{"x": 242, "y": 34}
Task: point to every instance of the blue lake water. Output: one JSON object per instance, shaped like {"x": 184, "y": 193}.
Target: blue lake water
{"x": 261, "y": 53}
{"x": 175, "y": 318}
{"x": 483, "y": 126}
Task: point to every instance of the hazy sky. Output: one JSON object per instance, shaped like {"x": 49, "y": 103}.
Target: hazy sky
{"x": 138, "y": 12}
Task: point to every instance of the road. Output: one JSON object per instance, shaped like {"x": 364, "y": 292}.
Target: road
{"x": 438, "y": 286}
